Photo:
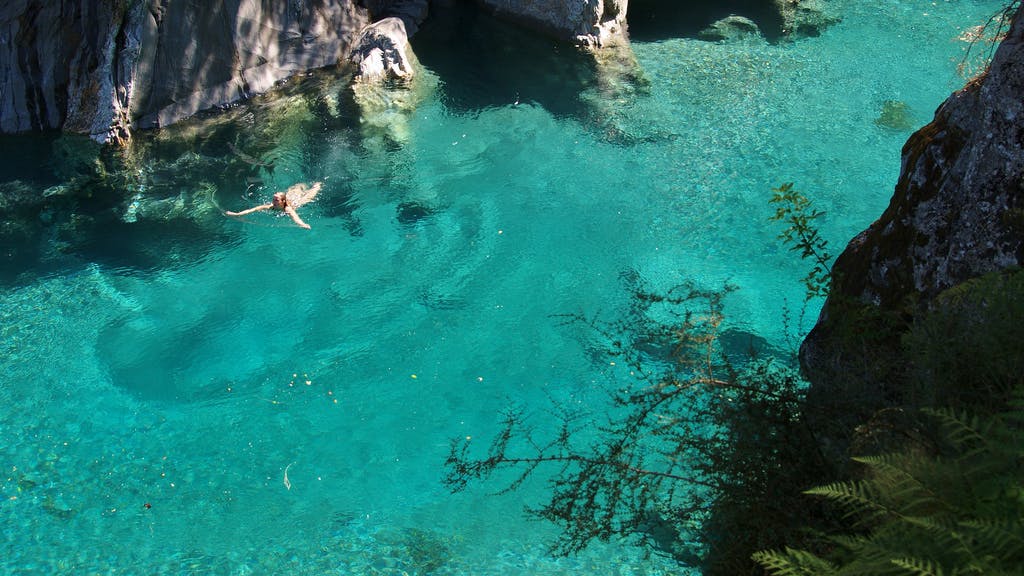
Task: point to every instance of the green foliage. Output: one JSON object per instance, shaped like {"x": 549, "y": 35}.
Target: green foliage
{"x": 698, "y": 458}
{"x": 801, "y": 235}
{"x": 967, "y": 351}
{"x": 953, "y": 507}
{"x": 792, "y": 562}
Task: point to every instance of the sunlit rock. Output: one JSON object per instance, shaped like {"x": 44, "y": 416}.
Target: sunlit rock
{"x": 105, "y": 68}
{"x": 383, "y": 53}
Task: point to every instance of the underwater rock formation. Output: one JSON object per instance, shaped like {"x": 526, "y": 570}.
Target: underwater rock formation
{"x": 957, "y": 213}
{"x": 730, "y": 29}
{"x": 802, "y": 18}
{"x": 895, "y": 114}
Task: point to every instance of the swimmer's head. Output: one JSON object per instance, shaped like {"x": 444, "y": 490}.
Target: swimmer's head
{"x": 280, "y": 200}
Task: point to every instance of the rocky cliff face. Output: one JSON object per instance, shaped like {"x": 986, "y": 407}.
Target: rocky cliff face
{"x": 97, "y": 66}
{"x": 957, "y": 212}
{"x": 103, "y": 67}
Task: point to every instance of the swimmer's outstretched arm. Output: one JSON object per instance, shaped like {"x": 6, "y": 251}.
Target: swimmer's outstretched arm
{"x": 267, "y": 206}
{"x": 295, "y": 217}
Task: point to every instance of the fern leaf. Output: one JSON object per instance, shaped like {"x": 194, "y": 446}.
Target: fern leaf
{"x": 793, "y": 563}
{"x": 1004, "y": 539}
{"x": 919, "y": 567}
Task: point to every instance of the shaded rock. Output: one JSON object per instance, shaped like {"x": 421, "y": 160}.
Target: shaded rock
{"x": 956, "y": 214}
{"x": 586, "y": 22}
{"x": 412, "y": 13}
{"x": 730, "y": 29}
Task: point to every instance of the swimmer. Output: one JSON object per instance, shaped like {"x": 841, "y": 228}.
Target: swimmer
{"x": 287, "y": 202}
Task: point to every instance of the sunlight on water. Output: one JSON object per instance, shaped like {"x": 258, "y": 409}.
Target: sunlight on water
{"x": 203, "y": 395}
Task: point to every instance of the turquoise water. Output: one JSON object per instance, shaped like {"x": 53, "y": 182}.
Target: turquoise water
{"x": 188, "y": 394}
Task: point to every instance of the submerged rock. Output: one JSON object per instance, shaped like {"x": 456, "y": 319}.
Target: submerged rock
{"x": 896, "y": 115}
{"x": 731, "y": 29}
{"x": 411, "y": 213}
{"x": 803, "y": 18}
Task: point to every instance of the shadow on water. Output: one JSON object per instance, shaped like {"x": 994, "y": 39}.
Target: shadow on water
{"x": 654, "y": 20}
{"x": 483, "y": 63}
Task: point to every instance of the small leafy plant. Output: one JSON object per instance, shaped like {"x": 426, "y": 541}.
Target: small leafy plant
{"x": 802, "y": 235}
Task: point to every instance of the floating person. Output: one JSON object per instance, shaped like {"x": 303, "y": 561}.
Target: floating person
{"x": 287, "y": 202}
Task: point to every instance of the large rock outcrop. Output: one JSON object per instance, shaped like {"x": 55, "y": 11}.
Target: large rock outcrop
{"x": 957, "y": 213}
{"x": 586, "y": 22}
{"x": 105, "y": 67}
{"x": 102, "y": 66}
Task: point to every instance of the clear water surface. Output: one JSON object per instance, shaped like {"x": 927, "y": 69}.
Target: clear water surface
{"x": 227, "y": 396}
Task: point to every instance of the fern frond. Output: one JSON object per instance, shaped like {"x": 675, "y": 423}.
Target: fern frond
{"x": 858, "y": 497}
{"x": 962, "y": 430}
{"x": 1004, "y": 539}
{"x": 793, "y": 563}
{"x": 919, "y": 567}
{"x": 901, "y": 478}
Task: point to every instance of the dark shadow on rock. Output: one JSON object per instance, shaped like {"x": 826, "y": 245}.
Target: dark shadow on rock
{"x": 483, "y": 62}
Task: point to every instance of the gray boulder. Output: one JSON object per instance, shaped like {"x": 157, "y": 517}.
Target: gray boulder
{"x": 382, "y": 52}
{"x": 387, "y": 86}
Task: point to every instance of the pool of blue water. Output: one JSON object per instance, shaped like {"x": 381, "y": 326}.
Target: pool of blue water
{"x": 240, "y": 396}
